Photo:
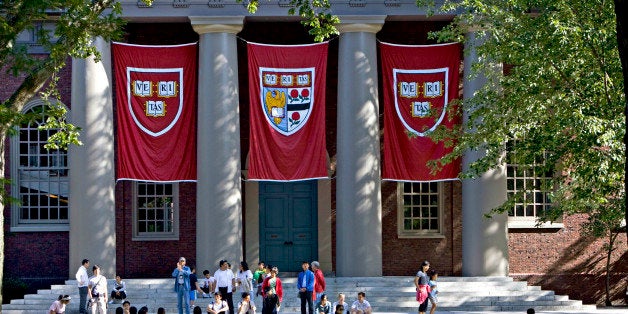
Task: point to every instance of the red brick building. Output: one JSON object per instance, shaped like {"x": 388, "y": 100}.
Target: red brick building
{"x": 76, "y": 210}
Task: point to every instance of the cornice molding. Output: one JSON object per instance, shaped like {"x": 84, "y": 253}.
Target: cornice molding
{"x": 361, "y": 23}
{"x": 217, "y": 24}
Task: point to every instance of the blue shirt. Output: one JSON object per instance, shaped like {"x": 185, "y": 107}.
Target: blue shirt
{"x": 185, "y": 277}
{"x": 308, "y": 275}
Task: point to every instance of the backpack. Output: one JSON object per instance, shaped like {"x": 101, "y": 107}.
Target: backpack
{"x": 95, "y": 293}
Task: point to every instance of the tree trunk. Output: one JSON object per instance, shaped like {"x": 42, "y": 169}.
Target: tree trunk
{"x": 609, "y": 251}
{"x": 621, "y": 13}
{"x": 3, "y": 136}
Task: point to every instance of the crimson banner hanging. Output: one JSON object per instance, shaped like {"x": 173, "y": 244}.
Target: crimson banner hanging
{"x": 419, "y": 82}
{"x": 287, "y": 107}
{"x": 156, "y": 112}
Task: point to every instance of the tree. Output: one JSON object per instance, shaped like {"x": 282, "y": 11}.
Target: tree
{"x": 316, "y": 16}
{"x": 76, "y": 23}
{"x": 621, "y": 13}
{"x": 558, "y": 103}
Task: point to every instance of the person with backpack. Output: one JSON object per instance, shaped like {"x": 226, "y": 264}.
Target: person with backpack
{"x": 97, "y": 290}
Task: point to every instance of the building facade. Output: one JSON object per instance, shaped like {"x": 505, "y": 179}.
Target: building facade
{"x": 353, "y": 223}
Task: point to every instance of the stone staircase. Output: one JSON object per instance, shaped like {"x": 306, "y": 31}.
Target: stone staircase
{"x": 386, "y": 295}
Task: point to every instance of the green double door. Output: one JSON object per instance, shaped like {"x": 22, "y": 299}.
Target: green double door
{"x": 288, "y": 223}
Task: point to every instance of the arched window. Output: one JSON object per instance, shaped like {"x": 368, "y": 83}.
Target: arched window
{"x": 39, "y": 177}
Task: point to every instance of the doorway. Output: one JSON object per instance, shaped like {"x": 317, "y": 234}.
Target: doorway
{"x": 288, "y": 223}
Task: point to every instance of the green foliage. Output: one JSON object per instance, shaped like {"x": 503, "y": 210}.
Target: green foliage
{"x": 560, "y": 96}
{"x": 63, "y": 28}
{"x": 316, "y": 16}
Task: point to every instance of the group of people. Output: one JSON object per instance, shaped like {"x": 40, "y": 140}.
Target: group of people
{"x": 311, "y": 286}
{"x": 223, "y": 283}
{"x": 265, "y": 282}
{"x": 220, "y": 286}
{"x": 92, "y": 291}
{"x": 426, "y": 288}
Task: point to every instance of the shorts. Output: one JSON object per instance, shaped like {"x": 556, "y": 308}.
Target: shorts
{"x": 433, "y": 299}
{"x": 193, "y": 295}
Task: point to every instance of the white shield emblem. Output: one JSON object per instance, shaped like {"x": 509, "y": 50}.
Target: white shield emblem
{"x": 421, "y": 98}
{"x": 155, "y": 100}
{"x": 287, "y": 97}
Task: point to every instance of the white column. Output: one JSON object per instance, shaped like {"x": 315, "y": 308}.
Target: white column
{"x": 92, "y": 170}
{"x": 358, "y": 195}
{"x": 484, "y": 241}
{"x": 219, "y": 192}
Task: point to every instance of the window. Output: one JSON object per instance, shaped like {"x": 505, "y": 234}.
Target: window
{"x": 40, "y": 177}
{"x": 156, "y": 211}
{"x": 529, "y": 186}
{"x": 420, "y": 209}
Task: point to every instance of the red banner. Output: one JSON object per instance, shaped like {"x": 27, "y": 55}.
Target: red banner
{"x": 419, "y": 82}
{"x": 287, "y": 95}
{"x": 156, "y": 112}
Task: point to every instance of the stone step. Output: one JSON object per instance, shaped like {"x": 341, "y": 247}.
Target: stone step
{"x": 296, "y": 310}
{"x": 386, "y": 294}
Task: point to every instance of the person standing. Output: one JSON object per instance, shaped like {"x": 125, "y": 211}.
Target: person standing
{"x": 225, "y": 283}
{"x": 193, "y": 286}
{"x": 271, "y": 303}
{"x": 319, "y": 280}
{"x": 274, "y": 283}
{"x": 305, "y": 284}
{"x": 244, "y": 279}
{"x": 433, "y": 295}
{"x": 82, "y": 280}
{"x": 181, "y": 276}
{"x": 421, "y": 282}
{"x": 97, "y": 290}
{"x": 258, "y": 278}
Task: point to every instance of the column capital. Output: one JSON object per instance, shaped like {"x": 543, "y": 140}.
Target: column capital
{"x": 217, "y": 24}
{"x": 360, "y": 23}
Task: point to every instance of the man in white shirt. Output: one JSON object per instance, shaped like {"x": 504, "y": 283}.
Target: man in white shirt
{"x": 98, "y": 291}
{"x": 361, "y": 306}
{"x": 225, "y": 283}
{"x": 82, "y": 280}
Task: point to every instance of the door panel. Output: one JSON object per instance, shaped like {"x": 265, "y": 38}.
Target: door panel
{"x": 288, "y": 223}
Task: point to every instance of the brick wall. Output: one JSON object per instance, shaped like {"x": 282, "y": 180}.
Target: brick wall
{"x": 565, "y": 260}
{"x": 24, "y": 250}
{"x": 402, "y": 257}
{"x": 150, "y": 259}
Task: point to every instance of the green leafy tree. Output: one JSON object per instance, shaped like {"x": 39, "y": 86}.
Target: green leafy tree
{"x": 74, "y": 24}
{"x": 561, "y": 100}
{"x": 317, "y": 16}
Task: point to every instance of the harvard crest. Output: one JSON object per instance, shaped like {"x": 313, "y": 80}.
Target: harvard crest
{"x": 287, "y": 97}
{"x": 421, "y": 98}
{"x": 155, "y": 100}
